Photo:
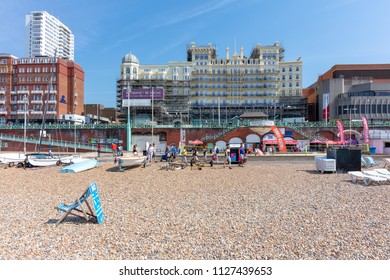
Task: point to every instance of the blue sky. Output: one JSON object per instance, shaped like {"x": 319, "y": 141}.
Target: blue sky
{"x": 322, "y": 32}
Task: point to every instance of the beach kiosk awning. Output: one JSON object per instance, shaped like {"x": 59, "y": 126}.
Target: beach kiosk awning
{"x": 331, "y": 142}
{"x": 316, "y": 141}
{"x": 195, "y": 142}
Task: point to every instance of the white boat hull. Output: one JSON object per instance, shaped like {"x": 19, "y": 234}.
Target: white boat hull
{"x": 128, "y": 162}
{"x": 43, "y": 160}
{"x": 81, "y": 165}
{"x": 12, "y": 157}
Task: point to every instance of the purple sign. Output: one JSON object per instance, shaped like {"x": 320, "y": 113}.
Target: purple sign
{"x": 143, "y": 93}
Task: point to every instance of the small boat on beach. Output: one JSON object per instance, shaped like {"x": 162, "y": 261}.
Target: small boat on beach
{"x": 12, "y": 158}
{"x": 41, "y": 160}
{"x": 131, "y": 161}
{"x": 82, "y": 164}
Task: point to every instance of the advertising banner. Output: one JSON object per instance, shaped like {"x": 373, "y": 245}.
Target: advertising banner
{"x": 143, "y": 93}
{"x": 141, "y": 96}
{"x": 182, "y": 138}
{"x": 325, "y": 106}
{"x": 341, "y": 132}
{"x": 366, "y": 133}
{"x": 280, "y": 139}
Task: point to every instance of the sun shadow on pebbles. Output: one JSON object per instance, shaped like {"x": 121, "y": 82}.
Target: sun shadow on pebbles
{"x": 70, "y": 220}
{"x": 113, "y": 169}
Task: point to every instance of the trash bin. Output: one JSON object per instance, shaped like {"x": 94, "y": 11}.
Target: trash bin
{"x": 372, "y": 150}
{"x": 144, "y": 152}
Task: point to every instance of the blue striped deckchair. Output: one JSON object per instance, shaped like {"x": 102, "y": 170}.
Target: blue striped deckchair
{"x": 371, "y": 161}
{"x": 68, "y": 208}
{"x": 364, "y": 162}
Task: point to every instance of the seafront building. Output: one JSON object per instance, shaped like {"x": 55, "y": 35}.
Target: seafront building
{"x": 206, "y": 89}
{"x": 45, "y": 35}
{"x": 350, "y": 91}
{"x": 29, "y": 84}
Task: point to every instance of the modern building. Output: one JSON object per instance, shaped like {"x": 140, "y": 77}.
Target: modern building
{"x": 351, "y": 91}
{"x": 207, "y": 89}
{"x": 45, "y": 35}
{"x": 97, "y": 113}
{"x": 38, "y": 87}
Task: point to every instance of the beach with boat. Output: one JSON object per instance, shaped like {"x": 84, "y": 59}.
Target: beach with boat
{"x": 272, "y": 208}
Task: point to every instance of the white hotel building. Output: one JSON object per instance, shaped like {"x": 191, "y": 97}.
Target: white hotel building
{"x": 209, "y": 89}
{"x": 45, "y": 33}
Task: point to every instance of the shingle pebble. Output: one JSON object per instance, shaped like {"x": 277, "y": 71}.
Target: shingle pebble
{"x": 266, "y": 210}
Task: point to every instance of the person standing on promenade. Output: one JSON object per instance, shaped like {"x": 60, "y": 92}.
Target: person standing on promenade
{"x": 99, "y": 149}
{"x": 228, "y": 159}
{"x": 204, "y": 153}
{"x": 114, "y": 149}
{"x": 120, "y": 150}
{"x": 242, "y": 155}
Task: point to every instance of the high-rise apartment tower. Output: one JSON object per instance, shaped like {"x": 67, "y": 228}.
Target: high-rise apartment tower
{"x": 45, "y": 34}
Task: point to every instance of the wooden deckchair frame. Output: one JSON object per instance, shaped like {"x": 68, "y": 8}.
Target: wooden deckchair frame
{"x": 67, "y": 209}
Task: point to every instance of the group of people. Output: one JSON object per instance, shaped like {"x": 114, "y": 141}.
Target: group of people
{"x": 214, "y": 155}
{"x": 151, "y": 153}
{"x": 242, "y": 157}
{"x": 172, "y": 152}
{"x": 117, "y": 150}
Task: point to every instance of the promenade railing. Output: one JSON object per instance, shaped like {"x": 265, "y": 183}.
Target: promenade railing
{"x": 223, "y": 125}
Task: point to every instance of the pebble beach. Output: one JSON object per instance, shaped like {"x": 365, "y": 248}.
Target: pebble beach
{"x": 266, "y": 210}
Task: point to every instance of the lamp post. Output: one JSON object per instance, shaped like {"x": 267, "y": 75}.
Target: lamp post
{"x": 350, "y": 123}
{"x": 200, "y": 115}
{"x": 25, "y": 123}
{"x": 152, "y": 112}
{"x": 128, "y": 120}
{"x": 219, "y": 111}
{"x": 274, "y": 101}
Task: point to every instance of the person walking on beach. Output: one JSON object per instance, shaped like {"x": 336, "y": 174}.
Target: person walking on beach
{"x": 194, "y": 156}
{"x": 154, "y": 152}
{"x": 215, "y": 153}
{"x": 184, "y": 154}
{"x": 205, "y": 153}
{"x": 228, "y": 159}
{"x": 173, "y": 152}
{"x": 242, "y": 155}
{"x": 150, "y": 153}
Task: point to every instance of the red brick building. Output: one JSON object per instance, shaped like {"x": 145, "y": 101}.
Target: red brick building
{"x": 28, "y": 85}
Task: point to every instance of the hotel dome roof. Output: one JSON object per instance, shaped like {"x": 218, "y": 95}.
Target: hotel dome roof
{"x": 130, "y": 58}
